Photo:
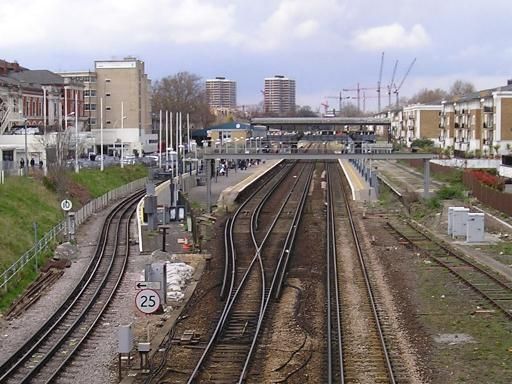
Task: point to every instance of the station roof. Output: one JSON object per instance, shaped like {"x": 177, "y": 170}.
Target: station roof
{"x": 230, "y": 126}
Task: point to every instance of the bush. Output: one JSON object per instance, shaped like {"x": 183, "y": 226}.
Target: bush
{"x": 489, "y": 179}
{"x": 50, "y": 183}
{"x": 448, "y": 192}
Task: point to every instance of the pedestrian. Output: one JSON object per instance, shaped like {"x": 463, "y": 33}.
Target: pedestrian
{"x": 40, "y": 164}
{"x": 32, "y": 162}
{"x": 22, "y": 163}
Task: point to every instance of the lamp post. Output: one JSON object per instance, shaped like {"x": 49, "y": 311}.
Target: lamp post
{"x": 101, "y": 134}
{"x": 25, "y": 165}
{"x": 122, "y": 127}
{"x": 76, "y": 132}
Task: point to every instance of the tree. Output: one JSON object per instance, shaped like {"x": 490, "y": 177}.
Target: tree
{"x": 351, "y": 110}
{"x": 461, "y": 88}
{"x": 425, "y": 96}
{"x": 183, "y": 92}
{"x": 304, "y": 111}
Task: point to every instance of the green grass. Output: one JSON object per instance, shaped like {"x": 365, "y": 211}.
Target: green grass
{"x": 24, "y": 200}
{"x": 99, "y": 183}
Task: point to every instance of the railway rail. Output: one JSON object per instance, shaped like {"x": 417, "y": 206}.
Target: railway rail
{"x": 48, "y": 351}
{"x": 357, "y": 349}
{"x": 259, "y": 241}
{"x": 489, "y": 285}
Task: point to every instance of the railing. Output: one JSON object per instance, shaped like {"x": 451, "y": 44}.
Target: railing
{"x": 80, "y": 216}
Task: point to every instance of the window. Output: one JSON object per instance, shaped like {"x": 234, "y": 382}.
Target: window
{"x": 87, "y": 107}
{"x": 107, "y": 80}
{"x": 92, "y": 92}
{"x": 93, "y": 107}
{"x": 109, "y": 122}
{"x": 107, "y": 94}
{"x": 108, "y": 108}
{"x": 92, "y": 121}
{"x": 86, "y": 93}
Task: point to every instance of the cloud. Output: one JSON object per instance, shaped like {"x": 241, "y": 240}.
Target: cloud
{"x": 391, "y": 36}
{"x": 292, "y": 21}
{"x": 102, "y": 25}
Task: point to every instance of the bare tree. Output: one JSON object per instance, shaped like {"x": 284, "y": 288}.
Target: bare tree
{"x": 183, "y": 92}
{"x": 461, "y": 88}
{"x": 304, "y": 111}
{"x": 425, "y": 96}
{"x": 351, "y": 110}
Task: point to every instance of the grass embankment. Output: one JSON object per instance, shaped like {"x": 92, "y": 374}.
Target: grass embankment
{"x": 24, "y": 201}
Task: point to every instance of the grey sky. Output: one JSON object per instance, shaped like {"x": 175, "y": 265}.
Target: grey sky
{"x": 325, "y": 45}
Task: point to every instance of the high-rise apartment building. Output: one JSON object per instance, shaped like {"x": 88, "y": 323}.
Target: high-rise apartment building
{"x": 221, "y": 93}
{"x": 279, "y": 95}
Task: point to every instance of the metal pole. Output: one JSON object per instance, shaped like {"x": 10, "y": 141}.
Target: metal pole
{"x": 101, "y": 133}
{"x": 34, "y": 224}
{"x": 25, "y": 164}
{"x": 160, "y": 142}
{"x": 76, "y": 132}
{"x": 170, "y": 142}
{"x": 167, "y": 138}
{"x": 208, "y": 185}
{"x": 122, "y": 127}
{"x": 426, "y": 178}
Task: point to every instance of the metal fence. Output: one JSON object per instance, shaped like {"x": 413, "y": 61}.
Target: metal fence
{"x": 80, "y": 216}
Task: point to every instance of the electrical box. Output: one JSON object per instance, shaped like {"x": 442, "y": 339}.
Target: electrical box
{"x": 125, "y": 336}
{"x": 158, "y": 272}
{"x": 144, "y": 347}
{"x": 450, "y": 218}
{"x": 475, "y": 228}
{"x": 459, "y": 221}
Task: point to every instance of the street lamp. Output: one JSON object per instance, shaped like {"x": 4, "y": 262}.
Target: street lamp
{"x": 122, "y": 127}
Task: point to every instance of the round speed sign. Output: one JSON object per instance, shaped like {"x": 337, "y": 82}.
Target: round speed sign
{"x": 147, "y": 301}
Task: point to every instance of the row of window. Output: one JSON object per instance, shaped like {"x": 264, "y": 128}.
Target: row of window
{"x": 92, "y": 93}
{"x": 92, "y": 107}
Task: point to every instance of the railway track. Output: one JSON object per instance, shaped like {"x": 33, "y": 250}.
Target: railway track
{"x": 357, "y": 349}
{"x": 489, "y": 285}
{"x": 46, "y": 353}
{"x": 259, "y": 241}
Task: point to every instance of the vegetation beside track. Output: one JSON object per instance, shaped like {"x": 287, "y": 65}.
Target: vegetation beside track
{"x": 28, "y": 200}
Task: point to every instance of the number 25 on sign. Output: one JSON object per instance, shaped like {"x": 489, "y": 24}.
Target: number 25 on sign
{"x": 147, "y": 301}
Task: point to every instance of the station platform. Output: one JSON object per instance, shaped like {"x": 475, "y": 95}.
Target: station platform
{"x": 224, "y": 191}
{"x": 361, "y": 189}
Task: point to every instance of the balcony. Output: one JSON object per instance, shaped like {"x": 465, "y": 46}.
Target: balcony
{"x": 488, "y": 109}
{"x": 456, "y": 125}
{"x": 488, "y": 125}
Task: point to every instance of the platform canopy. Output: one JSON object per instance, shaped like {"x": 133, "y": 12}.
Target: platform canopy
{"x": 319, "y": 121}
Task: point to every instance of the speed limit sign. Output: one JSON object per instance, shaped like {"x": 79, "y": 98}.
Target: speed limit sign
{"x": 147, "y": 301}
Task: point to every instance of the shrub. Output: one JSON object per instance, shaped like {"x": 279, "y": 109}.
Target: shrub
{"x": 489, "y": 179}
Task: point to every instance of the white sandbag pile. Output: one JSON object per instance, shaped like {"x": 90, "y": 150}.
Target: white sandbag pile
{"x": 178, "y": 274}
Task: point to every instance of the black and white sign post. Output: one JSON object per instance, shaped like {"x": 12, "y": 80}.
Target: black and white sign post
{"x": 66, "y": 206}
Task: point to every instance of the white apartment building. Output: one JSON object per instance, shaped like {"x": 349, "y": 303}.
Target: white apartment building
{"x": 279, "y": 95}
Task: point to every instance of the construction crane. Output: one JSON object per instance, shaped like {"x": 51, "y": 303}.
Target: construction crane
{"x": 340, "y": 99}
{"x": 358, "y": 90}
{"x": 392, "y": 83}
{"x": 397, "y": 89}
{"x": 380, "y": 78}
{"x": 325, "y": 104}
